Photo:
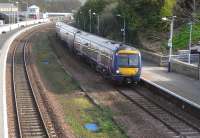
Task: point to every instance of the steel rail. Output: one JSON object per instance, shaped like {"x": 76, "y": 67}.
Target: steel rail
{"x": 32, "y": 94}
{"x": 159, "y": 115}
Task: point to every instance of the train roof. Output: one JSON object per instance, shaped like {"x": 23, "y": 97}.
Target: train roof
{"x": 103, "y": 42}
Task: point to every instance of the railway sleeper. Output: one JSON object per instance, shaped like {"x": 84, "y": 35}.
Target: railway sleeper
{"x": 25, "y": 94}
{"x": 29, "y": 109}
{"x": 190, "y": 133}
{"x": 22, "y": 89}
{"x": 31, "y": 127}
{"x": 24, "y": 109}
{"x": 20, "y": 71}
{"x": 28, "y": 113}
{"x": 23, "y": 112}
{"x": 33, "y": 131}
{"x": 22, "y": 106}
{"x": 36, "y": 133}
{"x": 29, "y": 116}
{"x": 25, "y": 101}
{"x": 28, "y": 122}
{"x": 25, "y": 97}
{"x": 21, "y": 86}
{"x": 153, "y": 108}
{"x": 185, "y": 129}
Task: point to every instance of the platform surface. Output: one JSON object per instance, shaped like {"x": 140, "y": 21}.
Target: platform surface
{"x": 3, "y": 39}
{"x": 181, "y": 85}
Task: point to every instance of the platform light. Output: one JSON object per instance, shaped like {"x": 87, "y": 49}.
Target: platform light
{"x": 170, "y": 41}
{"x": 165, "y": 19}
{"x": 124, "y": 27}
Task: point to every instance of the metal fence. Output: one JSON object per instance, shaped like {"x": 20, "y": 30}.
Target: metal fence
{"x": 191, "y": 59}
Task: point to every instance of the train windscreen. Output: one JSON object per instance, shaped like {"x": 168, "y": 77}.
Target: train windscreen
{"x": 128, "y": 60}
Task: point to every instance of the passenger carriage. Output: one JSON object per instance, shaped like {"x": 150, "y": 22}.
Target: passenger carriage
{"x": 117, "y": 61}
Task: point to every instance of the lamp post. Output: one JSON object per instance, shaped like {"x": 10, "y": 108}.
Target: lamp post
{"x": 17, "y": 11}
{"x": 190, "y": 42}
{"x": 11, "y": 13}
{"x": 26, "y": 10}
{"x": 98, "y": 22}
{"x": 83, "y": 23}
{"x": 79, "y": 19}
{"x": 191, "y": 29}
{"x": 170, "y": 41}
{"x": 198, "y": 64}
{"x": 124, "y": 28}
{"x": 90, "y": 14}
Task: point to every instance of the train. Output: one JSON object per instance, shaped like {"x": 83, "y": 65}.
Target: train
{"x": 114, "y": 60}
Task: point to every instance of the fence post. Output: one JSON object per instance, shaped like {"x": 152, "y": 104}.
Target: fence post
{"x": 199, "y": 67}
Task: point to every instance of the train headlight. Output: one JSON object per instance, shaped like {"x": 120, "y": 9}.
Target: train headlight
{"x": 117, "y": 71}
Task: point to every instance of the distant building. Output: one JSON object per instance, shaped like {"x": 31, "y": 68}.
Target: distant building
{"x": 8, "y": 11}
{"x": 34, "y": 12}
{"x": 1, "y": 22}
{"x": 7, "y": 7}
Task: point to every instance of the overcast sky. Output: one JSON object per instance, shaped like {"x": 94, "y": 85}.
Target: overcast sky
{"x": 82, "y": 1}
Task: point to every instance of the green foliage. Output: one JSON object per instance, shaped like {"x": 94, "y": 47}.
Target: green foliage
{"x": 79, "y": 110}
{"x": 137, "y": 13}
{"x": 53, "y": 70}
{"x": 140, "y": 13}
{"x": 167, "y": 9}
{"x": 141, "y": 16}
{"x": 82, "y": 16}
{"x": 181, "y": 38}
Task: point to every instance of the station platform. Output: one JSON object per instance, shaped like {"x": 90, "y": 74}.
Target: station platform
{"x": 5, "y": 41}
{"x": 3, "y": 114}
{"x": 183, "y": 86}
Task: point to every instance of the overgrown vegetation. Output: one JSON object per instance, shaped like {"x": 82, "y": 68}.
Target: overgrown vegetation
{"x": 143, "y": 17}
{"x": 181, "y": 39}
{"x": 49, "y": 67}
{"x": 78, "y": 110}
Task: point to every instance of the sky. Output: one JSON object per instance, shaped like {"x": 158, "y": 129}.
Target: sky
{"x": 82, "y": 1}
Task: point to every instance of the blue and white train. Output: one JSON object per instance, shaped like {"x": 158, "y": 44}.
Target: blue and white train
{"x": 117, "y": 61}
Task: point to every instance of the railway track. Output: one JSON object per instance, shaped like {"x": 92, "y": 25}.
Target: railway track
{"x": 178, "y": 126}
{"x": 29, "y": 118}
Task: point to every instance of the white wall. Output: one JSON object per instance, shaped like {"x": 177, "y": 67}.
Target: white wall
{"x": 7, "y": 28}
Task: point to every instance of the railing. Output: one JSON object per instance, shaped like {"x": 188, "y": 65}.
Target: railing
{"x": 8, "y": 27}
{"x": 194, "y": 58}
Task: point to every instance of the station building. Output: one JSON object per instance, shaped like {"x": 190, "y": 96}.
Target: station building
{"x": 34, "y": 12}
{"x": 7, "y": 7}
{"x": 7, "y": 10}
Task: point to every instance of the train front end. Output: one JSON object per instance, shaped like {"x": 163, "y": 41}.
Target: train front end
{"x": 127, "y": 65}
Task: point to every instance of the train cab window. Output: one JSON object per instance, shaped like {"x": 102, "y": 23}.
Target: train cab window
{"x": 122, "y": 60}
{"x": 128, "y": 60}
{"x": 133, "y": 60}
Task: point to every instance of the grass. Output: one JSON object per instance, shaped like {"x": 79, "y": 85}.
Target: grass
{"x": 78, "y": 110}
{"x": 181, "y": 39}
{"x": 52, "y": 70}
